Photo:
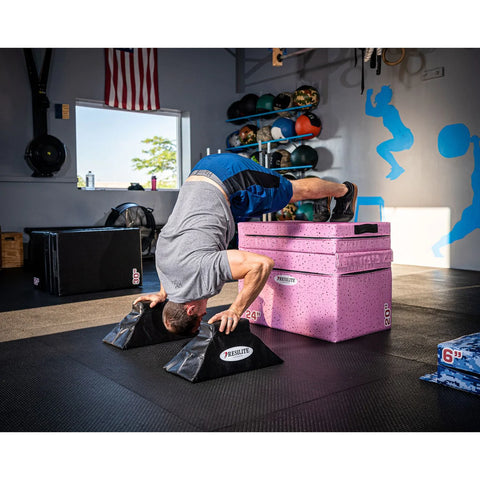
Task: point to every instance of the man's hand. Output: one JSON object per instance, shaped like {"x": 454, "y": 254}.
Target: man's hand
{"x": 229, "y": 319}
{"x": 153, "y": 298}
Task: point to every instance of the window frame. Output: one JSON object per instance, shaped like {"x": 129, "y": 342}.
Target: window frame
{"x": 83, "y": 102}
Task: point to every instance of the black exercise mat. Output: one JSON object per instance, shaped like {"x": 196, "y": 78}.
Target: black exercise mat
{"x": 398, "y": 403}
{"x": 72, "y": 381}
{"x": 312, "y": 369}
{"x": 17, "y": 291}
{"x": 417, "y": 331}
{"x": 440, "y": 289}
{"x": 44, "y": 390}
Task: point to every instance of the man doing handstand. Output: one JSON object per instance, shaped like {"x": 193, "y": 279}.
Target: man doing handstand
{"x": 192, "y": 259}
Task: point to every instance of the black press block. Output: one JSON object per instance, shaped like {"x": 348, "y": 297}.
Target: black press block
{"x": 212, "y": 354}
{"x": 141, "y": 327}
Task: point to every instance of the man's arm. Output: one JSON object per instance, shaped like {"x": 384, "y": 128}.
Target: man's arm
{"x": 254, "y": 269}
{"x": 154, "y": 298}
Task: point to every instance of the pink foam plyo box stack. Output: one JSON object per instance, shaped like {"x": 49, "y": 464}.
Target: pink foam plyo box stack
{"x": 331, "y": 281}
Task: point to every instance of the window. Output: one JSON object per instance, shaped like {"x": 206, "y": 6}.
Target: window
{"x": 123, "y": 147}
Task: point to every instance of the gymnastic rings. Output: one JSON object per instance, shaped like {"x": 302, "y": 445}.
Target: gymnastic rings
{"x": 392, "y": 62}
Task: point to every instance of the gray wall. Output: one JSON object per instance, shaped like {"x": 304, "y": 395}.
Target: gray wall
{"x": 197, "y": 81}
{"x": 203, "y": 82}
{"x": 347, "y": 145}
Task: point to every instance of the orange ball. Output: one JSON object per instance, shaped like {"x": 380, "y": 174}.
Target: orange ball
{"x": 308, "y": 123}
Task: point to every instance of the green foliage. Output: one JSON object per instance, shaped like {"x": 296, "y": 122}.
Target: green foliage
{"x": 161, "y": 161}
{"x": 81, "y": 182}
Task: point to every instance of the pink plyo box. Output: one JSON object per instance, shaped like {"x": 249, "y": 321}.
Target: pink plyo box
{"x": 314, "y": 237}
{"x": 331, "y": 281}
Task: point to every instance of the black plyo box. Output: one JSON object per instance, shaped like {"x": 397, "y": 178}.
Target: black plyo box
{"x": 86, "y": 260}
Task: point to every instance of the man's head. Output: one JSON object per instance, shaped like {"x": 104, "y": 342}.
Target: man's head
{"x": 184, "y": 318}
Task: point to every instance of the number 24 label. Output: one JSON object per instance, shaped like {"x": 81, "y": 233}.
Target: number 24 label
{"x": 252, "y": 315}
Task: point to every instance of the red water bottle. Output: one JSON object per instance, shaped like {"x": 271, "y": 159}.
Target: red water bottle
{"x": 154, "y": 183}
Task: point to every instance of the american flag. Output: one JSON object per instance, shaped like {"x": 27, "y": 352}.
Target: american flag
{"x": 131, "y": 78}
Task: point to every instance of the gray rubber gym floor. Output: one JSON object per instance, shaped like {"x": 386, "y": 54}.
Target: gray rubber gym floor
{"x": 70, "y": 381}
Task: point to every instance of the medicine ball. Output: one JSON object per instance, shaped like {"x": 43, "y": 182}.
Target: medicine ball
{"x": 308, "y": 123}
{"x": 289, "y": 176}
{"x": 255, "y": 156}
{"x": 304, "y": 155}
{"x": 305, "y": 212}
{"x": 287, "y": 212}
{"x": 282, "y": 101}
{"x": 264, "y": 134}
{"x": 283, "y": 128}
{"x": 280, "y": 159}
{"x": 233, "y": 140}
{"x": 248, "y": 105}
{"x": 265, "y": 103}
{"x": 306, "y": 95}
{"x": 248, "y": 134}
{"x": 234, "y": 112}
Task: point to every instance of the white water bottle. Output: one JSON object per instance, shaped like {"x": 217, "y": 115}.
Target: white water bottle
{"x": 90, "y": 179}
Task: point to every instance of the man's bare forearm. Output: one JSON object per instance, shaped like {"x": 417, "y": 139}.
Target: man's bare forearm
{"x": 253, "y": 283}
{"x": 254, "y": 270}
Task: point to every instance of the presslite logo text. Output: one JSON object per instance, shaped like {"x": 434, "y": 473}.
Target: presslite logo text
{"x": 285, "y": 279}
{"x": 235, "y": 354}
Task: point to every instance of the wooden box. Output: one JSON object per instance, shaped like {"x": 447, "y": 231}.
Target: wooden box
{"x": 12, "y": 249}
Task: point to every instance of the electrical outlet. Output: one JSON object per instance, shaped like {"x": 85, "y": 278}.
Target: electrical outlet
{"x": 433, "y": 73}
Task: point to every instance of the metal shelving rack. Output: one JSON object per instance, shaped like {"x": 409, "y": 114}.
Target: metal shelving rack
{"x": 264, "y": 159}
{"x": 268, "y": 143}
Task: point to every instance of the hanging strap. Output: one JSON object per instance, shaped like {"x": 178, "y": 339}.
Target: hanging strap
{"x": 363, "y": 70}
{"x": 379, "y": 60}
{"x": 373, "y": 58}
{"x": 38, "y": 85}
{"x": 39, "y": 90}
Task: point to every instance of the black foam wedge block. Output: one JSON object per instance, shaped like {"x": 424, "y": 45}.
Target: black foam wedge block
{"x": 213, "y": 354}
{"x": 142, "y": 326}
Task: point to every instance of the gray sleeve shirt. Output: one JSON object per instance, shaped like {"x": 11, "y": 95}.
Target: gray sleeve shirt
{"x": 191, "y": 256}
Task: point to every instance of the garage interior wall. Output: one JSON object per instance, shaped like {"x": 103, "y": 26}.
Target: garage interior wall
{"x": 429, "y": 106}
{"x": 198, "y": 82}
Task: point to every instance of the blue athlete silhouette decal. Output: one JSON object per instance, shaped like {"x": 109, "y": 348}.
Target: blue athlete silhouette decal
{"x": 454, "y": 141}
{"x": 402, "y": 136}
